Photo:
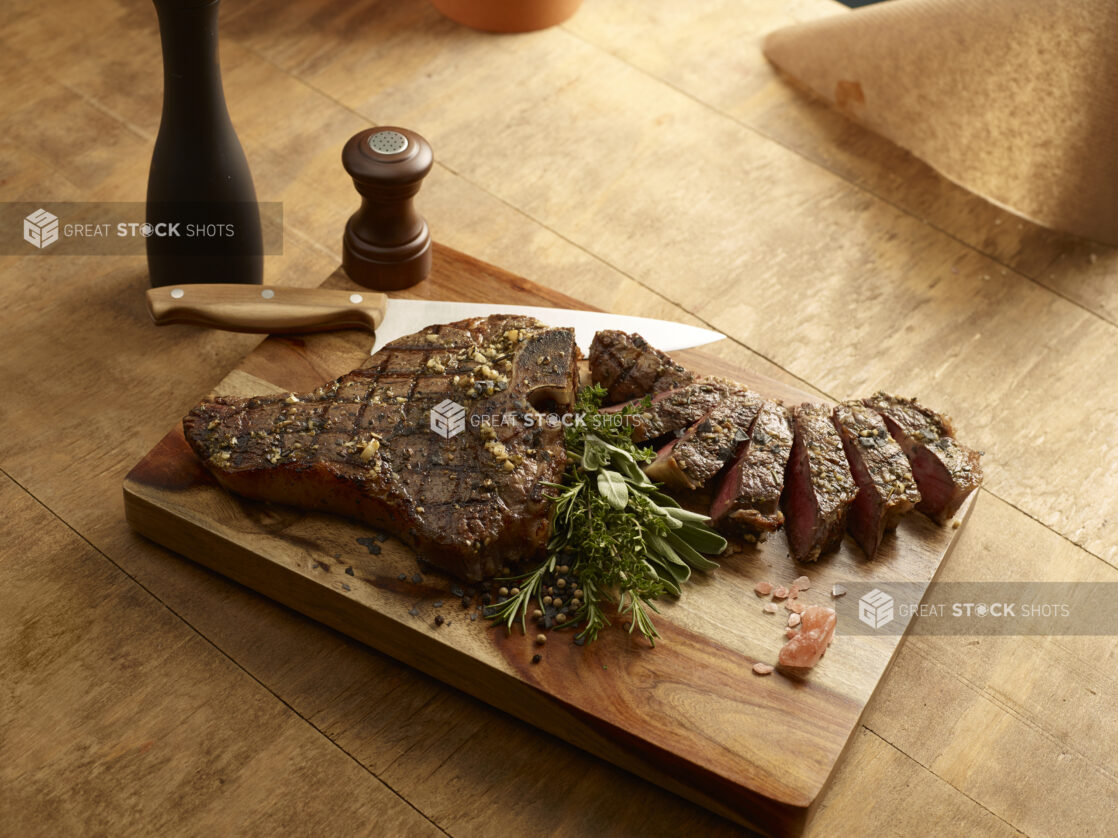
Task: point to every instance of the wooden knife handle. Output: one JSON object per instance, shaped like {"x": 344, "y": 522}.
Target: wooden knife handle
{"x": 266, "y": 309}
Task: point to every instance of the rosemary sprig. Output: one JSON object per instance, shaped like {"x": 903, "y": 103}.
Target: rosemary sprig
{"x": 625, "y": 541}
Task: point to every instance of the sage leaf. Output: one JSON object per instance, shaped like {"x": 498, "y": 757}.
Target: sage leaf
{"x": 613, "y": 488}
{"x": 703, "y": 538}
{"x": 689, "y": 554}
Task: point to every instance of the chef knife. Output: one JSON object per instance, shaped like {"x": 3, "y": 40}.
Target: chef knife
{"x": 264, "y": 309}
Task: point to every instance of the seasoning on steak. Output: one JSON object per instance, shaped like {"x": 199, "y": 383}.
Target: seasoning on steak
{"x": 946, "y": 472}
{"x": 676, "y": 409}
{"x": 747, "y": 499}
{"x": 694, "y": 458}
{"x": 818, "y": 486}
{"x": 629, "y": 368}
{"x": 886, "y": 488}
{"x": 470, "y": 498}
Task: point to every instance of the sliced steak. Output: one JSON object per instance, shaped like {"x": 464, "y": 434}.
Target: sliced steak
{"x": 469, "y": 497}
{"x": 886, "y": 488}
{"x": 818, "y": 486}
{"x": 629, "y": 368}
{"x": 676, "y": 409}
{"x": 747, "y": 499}
{"x": 694, "y": 458}
{"x": 946, "y": 472}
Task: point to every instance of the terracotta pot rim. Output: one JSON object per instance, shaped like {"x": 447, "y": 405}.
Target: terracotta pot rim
{"x": 508, "y": 15}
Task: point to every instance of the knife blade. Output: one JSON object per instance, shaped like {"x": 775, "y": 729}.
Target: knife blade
{"x": 268, "y": 309}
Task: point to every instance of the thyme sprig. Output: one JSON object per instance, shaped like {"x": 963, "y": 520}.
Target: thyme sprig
{"x": 625, "y": 541}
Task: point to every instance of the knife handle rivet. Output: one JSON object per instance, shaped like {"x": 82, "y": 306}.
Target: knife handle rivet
{"x": 267, "y": 293}
{"x": 177, "y": 293}
{"x": 355, "y": 298}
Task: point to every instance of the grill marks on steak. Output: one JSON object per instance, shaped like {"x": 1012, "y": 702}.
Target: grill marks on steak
{"x": 694, "y": 458}
{"x": 747, "y": 500}
{"x": 946, "y": 472}
{"x": 361, "y": 446}
{"x": 886, "y": 489}
{"x": 818, "y": 485}
{"x": 628, "y": 367}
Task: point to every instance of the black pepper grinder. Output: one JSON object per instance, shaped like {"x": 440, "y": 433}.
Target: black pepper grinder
{"x": 202, "y": 215}
{"x": 387, "y": 245}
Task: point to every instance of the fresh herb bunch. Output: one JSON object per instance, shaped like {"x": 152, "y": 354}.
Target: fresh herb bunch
{"x": 627, "y": 542}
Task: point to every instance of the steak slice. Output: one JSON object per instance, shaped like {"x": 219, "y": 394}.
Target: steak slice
{"x": 470, "y": 496}
{"x": 818, "y": 486}
{"x": 629, "y": 368}
{"x": 747, "y": 499}
{"x": 886, "y": 489}
{"x": 946, "y": 472}
{"x": 676, "y": 409}
{"x": 694, "y": 458}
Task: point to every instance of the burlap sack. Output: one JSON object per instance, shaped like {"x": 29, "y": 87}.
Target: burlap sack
{"x": 1015, "y": 100}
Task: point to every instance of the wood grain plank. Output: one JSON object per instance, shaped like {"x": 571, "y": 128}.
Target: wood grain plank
{"x": 1001, "y": 717}
{"x": 115, "y": 717}
{"x": 906, "y": 798}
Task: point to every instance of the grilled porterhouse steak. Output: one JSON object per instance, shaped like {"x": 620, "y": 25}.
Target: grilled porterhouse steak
{"x": 946, "y": 472}
{"x": 747, "y": 499}
{"x": 676, "y": 409}
{"x": 694, "y": 458}
{"x": 362, "y": 446}
{"x": 818, "y": 486}
{"x": 886, "y": 488}
{"x": 629, "y": 368}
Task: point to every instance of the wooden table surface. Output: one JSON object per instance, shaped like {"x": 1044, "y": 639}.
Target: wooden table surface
{"x": 642, "y": 157}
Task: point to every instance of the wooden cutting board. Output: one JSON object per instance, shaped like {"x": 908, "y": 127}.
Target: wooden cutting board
{"x": 689, "y": 715}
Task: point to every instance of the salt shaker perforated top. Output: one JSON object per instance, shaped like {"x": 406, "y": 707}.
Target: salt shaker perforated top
{"x": 387, "y": 245}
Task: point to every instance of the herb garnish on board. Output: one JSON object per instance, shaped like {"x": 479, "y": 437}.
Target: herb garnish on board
{"x": 627, "y": 542}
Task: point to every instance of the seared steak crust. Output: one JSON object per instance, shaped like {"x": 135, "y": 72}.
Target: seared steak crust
{"x": 362, "y": 445}
{"x": 946, "y": 472}
{"x": 628, "y": 367}
{"x": 694, "y": 458}
{"x": 678, "y": 408}
{"x": 818, "y": 486}
{"x": 886, "y": 488}
{"x": 747, "y": 500}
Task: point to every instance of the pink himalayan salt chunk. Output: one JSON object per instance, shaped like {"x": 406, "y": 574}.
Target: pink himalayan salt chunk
{"x": 762, "y": 669}
{"x": 793, "y": 592}
{"x": 780, "y": 592}
{"x": 763, "y": 588}
{"x": 769, "y": 608}
{"x": 795, "y": 607}
{"x": 816, "y": 632}
{"x": 790, "y": 633}
{"x": 803, "y": 583}
{"x": 793, "y": 620}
